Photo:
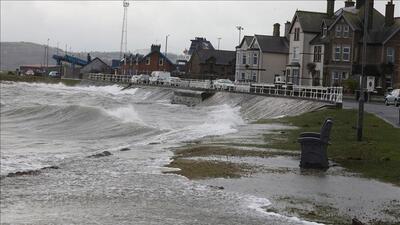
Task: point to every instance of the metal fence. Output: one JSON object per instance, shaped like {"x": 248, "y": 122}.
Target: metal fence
{"x": 328, "y": 94}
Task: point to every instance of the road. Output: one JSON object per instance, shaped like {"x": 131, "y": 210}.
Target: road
{"x": 388, "y": 113}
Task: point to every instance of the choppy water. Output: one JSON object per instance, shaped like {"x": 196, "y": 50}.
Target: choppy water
{"x": 45, "y": 125}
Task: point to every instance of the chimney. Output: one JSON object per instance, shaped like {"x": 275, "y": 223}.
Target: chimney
{"x": 155, "y": 48}
{"x": 389, "y": 14}
{"x": 330, "y": 7}
{"x": 277, "y": 30}
{"x": 349, "y": 3}
{"x": 287, "y": 27}
{"x": 370, "y": 13}
{"x": 359, "y": 3}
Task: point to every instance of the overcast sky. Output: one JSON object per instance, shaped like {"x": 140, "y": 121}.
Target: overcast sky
{"x": 97, "y": 25}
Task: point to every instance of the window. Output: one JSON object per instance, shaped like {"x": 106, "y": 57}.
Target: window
{"x": 390, "y": 55}
{"x": 244, "y": 59}
{"x": 325, "y": 31}
{"x": 161, "y": 62}
{"x": 317, "y": 77}
{"x": 338, "y": 30}
{"x": 148, "y": 61}
{"x": 335, "y": 78}
{"x": 345, "y": 75}
{"x": 243, "y": 76}
{"x": 296, "y": 34}
{"x": 255, "y": 59}
{"x": 337, "y": 53}
{"x": 254, "y": 77}
{"x": 317, "y": 53}
{"x": 296, "y": 77}
{"x": 346, "y": 54}
{"x": 296, "y": 53}
{"x": 346, "y": 31}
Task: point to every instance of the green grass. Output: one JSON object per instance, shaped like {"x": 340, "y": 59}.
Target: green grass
{"x": 377, "y": 156}
{"x": 38, "y": 79}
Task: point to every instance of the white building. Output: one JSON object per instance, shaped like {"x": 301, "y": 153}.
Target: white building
{"x": 262, "y": 58}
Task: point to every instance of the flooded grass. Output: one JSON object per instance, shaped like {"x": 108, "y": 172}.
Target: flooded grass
{"x": 377, "y": 156}
{"x": 202, "y": 169}
{"x": 210, "y": 150}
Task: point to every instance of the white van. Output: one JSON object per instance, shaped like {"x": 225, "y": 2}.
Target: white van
{"x": 159, "y": 77}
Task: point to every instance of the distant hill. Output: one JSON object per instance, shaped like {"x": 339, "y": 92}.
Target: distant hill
{"x": 14, "y": 54}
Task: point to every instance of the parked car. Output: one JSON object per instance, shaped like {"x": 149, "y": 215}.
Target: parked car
{"x": 159, "y": 77}
{"x": 135, "y": 79}
{"x": 224, "y": 84}
{"x": 54, "y": 74}
{"x": 29, "y": 73}
{"x": 173, "y": 81}
{"x": 144, "y": 78}
{"x": 393, "y": 98}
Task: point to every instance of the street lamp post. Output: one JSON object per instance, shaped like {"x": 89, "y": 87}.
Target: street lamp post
{"x": 360, "y": 122}
{"x": 166, "y": 45}
{"x": 240, "y": 28}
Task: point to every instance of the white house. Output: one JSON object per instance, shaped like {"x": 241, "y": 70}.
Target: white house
{"x": 263, "y": 58}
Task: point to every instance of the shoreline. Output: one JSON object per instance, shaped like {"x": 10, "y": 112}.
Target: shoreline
{"x": 265, "y": 166}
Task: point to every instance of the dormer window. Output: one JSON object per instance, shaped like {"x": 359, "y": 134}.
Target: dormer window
{"x": 148, "y": 61}
{"x": 161, "y": 62}
{"x": 324, "y": 31}
{"x": 338, "y": 30}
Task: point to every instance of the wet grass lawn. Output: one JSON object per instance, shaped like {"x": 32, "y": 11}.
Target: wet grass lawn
{"x": 377, "y": 156}
{"x": 38, "y": 79}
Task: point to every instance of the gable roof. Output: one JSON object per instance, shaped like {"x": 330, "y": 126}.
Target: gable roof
{"x": 96, "y": 59}
{"x": 246, "y": 39}
{"x": 272, "y": 44}
{"x": 222, "y": 57}
{"x": 157, "y": 52}
{"x": 199, "y": 43}
{"x": 377, "y": 34}
{"x": 310, "y": 22}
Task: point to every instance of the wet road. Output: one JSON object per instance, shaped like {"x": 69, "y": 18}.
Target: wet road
{"x": 388, "y": 113}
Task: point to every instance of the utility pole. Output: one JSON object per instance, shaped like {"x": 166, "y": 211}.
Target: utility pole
{"x": 240, "y": 28}
{"x": 219, "y": 40}
{"x": 360, "y": 123}
{"x": 47, "y": 55}
{"x": 166, "y": 45}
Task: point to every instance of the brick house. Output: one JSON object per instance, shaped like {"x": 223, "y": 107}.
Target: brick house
{"x": 344, "y": 41}
{"x": 154, "y": 61}
{"x": 212, "y": 64}
{"x": 336, "y": 52}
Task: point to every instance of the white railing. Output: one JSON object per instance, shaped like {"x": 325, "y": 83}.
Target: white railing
{"x": 328, "y": 94}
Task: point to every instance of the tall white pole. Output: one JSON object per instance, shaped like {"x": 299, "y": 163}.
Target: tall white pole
{"x": 240, "y": 28}
{"x": 219, "y": 41}
{"x": 166, "y": 45}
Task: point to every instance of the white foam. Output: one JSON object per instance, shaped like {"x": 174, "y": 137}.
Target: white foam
{"x": 258, "y": 204}
{"x": 125, "y": 114}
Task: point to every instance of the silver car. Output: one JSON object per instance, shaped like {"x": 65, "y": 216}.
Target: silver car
{"x": 393, "y": 98}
